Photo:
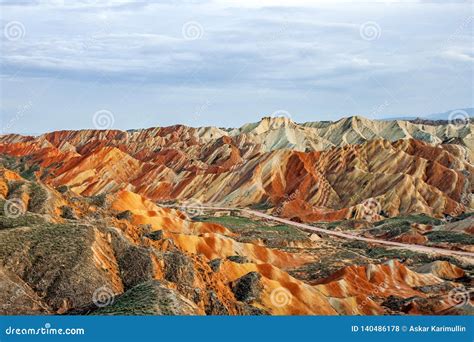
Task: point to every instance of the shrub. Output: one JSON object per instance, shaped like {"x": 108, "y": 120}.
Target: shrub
{"x": 30, "y": 172}
{"x": 99, "y": 200}
{"x": 68, "y": 213}
{"x": 124, "y": 215}
{"x": 62, "y": 189}
{"x": 451, "y": 237}
{"x": 145, "y": 229}
{"x": 38, "y": 197}
{"x": 14, "y": 187}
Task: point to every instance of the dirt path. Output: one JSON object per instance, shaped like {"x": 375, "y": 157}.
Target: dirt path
{"x": 417, "y": 248}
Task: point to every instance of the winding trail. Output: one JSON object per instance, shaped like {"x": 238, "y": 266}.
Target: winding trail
{"x": 417, "y": 248}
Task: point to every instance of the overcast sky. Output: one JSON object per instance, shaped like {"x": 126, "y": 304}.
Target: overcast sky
{"x": 71, "y": 64}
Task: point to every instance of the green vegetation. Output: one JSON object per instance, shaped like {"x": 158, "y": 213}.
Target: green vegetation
{"x": 249, "y": 230}
{"x": 395, "y": 226}
{"x": 62, "y": 189}
{"x": 29, "y": 173}
{"x": 451, "y": 237}
{"x": 27, "y": 219}
{"x": 415, "y": 218}
{"x": 261, "y": 206}
{"x": 415, "y": 258}
{"x": 148, "y": 298}
{"x": 124, "y": 215}
{"x": 68, "y": 213}
{"x": 20, "y": 165}
{"x": 391, "y": 229}
{"x": 99, "y": 200}
{"x": 38, "y": 197}
{"x": 231, "y": 222}
{"x": 462, "y": 216}
{"x": 49, "y": 242}
{"x": 14, "y": 187}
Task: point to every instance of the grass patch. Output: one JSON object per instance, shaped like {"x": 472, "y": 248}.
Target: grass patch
{"x": 382, "y": 254}
{"x": 463, "y": 216}
{"x": 14, "y": 187}
{"x": 99, "y": 201}
{"x": 25, "y": 220}
{"x": 232, "y": 222}
{"x": 38, "y": 197}
{"x": 450, "y": 237}
{"x": 148, "y": 298}
{"x": 261, "y": 206}
{"x": 249, "y": 230}
{"x": 20, "y": 165}
{"x": 391, "y": 229}
{"x": 415, "y": 218}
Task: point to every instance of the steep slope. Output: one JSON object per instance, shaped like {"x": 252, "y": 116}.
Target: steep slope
{"x": 126, "y": 255}
{"x": 260, "y": 165}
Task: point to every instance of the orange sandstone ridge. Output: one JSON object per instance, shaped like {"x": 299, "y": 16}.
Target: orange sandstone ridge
{"x": 212, "y": 167}
{"x": 100, "y": 210}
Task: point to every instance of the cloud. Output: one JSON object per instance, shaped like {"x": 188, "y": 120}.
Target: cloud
{"x": 304, "y": 54}
{"x": 460, "y": 55}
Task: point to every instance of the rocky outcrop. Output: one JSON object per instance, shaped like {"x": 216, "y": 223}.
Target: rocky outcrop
{"x": 248, "y": 287}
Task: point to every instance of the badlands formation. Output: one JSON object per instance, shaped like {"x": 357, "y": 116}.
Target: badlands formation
{"x": 150, "y": 221}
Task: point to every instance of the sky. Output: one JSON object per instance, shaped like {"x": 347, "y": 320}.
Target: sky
{"x": 136, "y": 64}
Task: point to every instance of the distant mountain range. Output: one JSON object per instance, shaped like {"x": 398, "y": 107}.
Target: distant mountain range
{"x": 318, "y": 169}
{"x": 436, "y": 116}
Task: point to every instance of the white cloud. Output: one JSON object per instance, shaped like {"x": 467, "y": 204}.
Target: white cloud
{"x": 305, "y": 54}
{"x": 461, "y": 55}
